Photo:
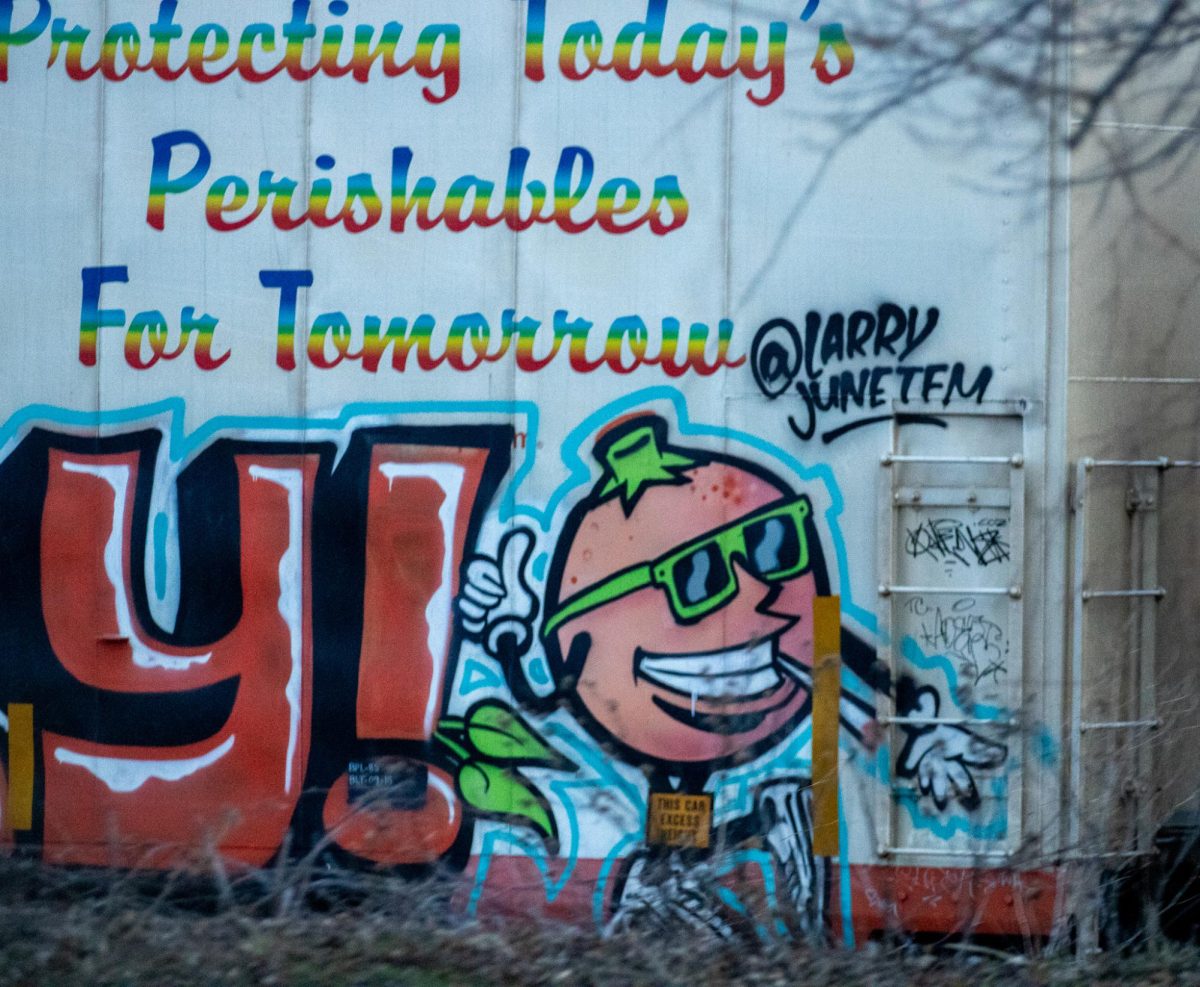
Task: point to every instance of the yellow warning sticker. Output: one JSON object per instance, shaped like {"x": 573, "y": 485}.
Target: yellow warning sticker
{"x": 679, "y": 820}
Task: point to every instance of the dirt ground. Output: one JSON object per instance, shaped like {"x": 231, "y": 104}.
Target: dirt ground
{"x": 70, "y": 928}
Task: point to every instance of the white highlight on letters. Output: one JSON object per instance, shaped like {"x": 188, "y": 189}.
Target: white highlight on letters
{"x": 144, "y": 656}
{"x": 125, "y": 775}
{"x": 437, "y": 613}
{"x": 291, "y": 600}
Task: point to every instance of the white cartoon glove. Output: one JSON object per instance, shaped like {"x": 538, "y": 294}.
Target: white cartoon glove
{"x": 496, "y": 605}
{"x": 941, "y": 756}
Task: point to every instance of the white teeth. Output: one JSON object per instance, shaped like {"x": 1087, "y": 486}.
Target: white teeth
{"x": 736, "y": 673}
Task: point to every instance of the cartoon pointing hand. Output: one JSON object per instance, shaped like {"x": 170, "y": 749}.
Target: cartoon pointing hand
{"x": 941, "y": 755}
{"x": 496, "y": 604}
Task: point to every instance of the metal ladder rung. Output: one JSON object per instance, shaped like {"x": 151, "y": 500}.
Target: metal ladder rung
{"x": 1122, "y": 725}
{"x": 1011, "y": 591}
{"x": 1112, "y": 855}
{"x": 1014, "y": 461}
{"x": 906, "y": 851}
{"x": 949, "y": 721}
{"x": 1165, "y": 463}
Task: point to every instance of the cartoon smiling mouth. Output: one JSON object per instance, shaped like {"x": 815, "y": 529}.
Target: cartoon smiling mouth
{"x": 732, "y": 676}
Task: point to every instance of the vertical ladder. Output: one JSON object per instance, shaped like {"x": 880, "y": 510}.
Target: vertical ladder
{"x": 989, "y": 489}
{"x": 1092, "y": 846}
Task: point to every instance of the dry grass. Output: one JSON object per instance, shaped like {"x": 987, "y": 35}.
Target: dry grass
{"x": 88, "y": 928}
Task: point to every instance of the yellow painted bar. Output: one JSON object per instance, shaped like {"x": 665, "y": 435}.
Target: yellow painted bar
{"x": 827, "y": 690}
{"x": 20, "y": 766}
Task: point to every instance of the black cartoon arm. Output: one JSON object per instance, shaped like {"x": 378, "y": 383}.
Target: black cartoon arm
{"x": 941, "y": 756}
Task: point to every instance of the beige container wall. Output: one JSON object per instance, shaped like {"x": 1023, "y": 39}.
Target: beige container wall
{"x": 1134, "y": 393}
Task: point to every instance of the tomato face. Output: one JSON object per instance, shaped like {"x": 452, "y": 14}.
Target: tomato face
{"x": 699, "y": 690}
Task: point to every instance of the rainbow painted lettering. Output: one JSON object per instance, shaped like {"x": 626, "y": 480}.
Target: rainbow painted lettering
{"x": 638, "y": 50}
{"x": 617, "y": 207}
{"x": 471, "y": 341}
{"x": 209, "y": 55}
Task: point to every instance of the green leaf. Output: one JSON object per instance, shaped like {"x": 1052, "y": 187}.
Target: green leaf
{"x": 456, "y": 750}
{"x": 499, "y": 792}
{"x": 497, "y": 733}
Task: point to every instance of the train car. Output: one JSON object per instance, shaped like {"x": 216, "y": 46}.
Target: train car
{"x": 623, "y": 456}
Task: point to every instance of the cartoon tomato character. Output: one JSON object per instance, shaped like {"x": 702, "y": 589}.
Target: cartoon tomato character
{"x": 677, "y": 625}
{"x": 679, "y": 602}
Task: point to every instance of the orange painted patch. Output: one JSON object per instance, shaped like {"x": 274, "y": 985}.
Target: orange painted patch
{"x": 395, "y": 837}
{"x": 400, "y": 679}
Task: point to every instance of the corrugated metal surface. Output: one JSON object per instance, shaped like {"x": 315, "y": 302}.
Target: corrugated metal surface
{"x": 494, "y": 519}
{"x": 1134, "y": 395}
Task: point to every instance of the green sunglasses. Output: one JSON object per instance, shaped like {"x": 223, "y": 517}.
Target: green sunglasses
{"x": 698, "y": 577}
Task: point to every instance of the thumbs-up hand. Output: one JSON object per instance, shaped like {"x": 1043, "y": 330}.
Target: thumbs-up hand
{"x": 496, "y": 605}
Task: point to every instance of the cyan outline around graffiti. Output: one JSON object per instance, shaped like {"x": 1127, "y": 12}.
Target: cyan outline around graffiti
{"x": 181, "y": 445}
{"x": 605, "y": 777}
{"x": 878, "y": 766}
{"x": 580, "y": 475}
